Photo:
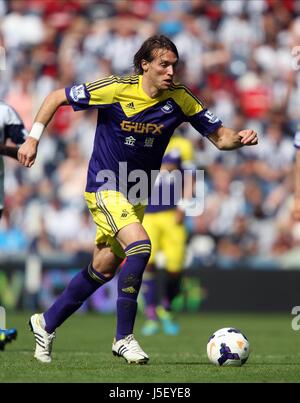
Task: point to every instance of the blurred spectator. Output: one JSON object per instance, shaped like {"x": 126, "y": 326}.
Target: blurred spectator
{"x": 21, "y": 94}
{"x": 123, "y": 42}
{"x": 20, "y": 28}
{"x": 235, "y": 54}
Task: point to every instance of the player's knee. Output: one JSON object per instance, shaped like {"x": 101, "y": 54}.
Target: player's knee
{"x": 106, "y": 264}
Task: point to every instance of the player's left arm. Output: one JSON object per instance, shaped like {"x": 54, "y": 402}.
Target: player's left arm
{"x": 210, "y": 126}
{"x": 228, "y": 139}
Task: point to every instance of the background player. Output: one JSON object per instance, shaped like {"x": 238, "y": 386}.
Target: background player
{"x": 11, "y": 129}
{"x": 138, "y": 115}
{"x": 164, "y": 223}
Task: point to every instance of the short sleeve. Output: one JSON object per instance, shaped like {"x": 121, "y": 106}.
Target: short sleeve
{"x": 195, "y": 112}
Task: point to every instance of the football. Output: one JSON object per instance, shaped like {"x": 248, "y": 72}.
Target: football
{"x": 228, "y": 347}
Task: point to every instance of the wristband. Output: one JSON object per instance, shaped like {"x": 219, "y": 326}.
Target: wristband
{"x": 297, "y": 140}
{"x": 37, "y": 130}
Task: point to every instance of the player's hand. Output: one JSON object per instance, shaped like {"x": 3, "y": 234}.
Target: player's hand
{"x": 248, "y": 137}
{"x": 27, "y": 152}
{"x": 296, "y": 209}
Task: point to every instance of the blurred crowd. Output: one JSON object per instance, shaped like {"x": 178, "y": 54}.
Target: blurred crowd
{"x": 238, "y": 56}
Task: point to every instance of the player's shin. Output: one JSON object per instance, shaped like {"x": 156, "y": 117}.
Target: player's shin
{"x": 129, "y": 284}
{"x": 83, "y": 285}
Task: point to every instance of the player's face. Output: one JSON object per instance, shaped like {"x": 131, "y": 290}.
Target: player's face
{"x": 160, "y": 71}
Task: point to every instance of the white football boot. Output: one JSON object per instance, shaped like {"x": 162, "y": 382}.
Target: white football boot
{"x": 43, "y": 339}
{"x": 130, "y": 350}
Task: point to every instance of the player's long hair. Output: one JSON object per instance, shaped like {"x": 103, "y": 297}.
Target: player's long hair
{"x": 146, "y": 50}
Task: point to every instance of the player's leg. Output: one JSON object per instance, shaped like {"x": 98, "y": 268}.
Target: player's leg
{"x": 173, "y": 246}
{"x": 124, "y": 232}
{"x": 137, "y": 247}
{"x": 82, "y": 286}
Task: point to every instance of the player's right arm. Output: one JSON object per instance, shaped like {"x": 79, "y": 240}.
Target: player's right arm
{"x": 27, "y": 152}
{"x": 97, "y": 94}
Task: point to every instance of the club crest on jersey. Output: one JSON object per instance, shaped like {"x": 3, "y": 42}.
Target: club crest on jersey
{"x": 77, "y": 92}
{"x": 168, "y": 108}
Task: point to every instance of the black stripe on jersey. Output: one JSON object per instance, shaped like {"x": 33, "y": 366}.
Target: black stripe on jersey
{"x": 96, "y": 87}
{"x": 102, "y": 80}
{"x": 182, "y": 87}
{"x": 102, "y": 83}
{"x": 108, "y": 216}
{"x": 131, "y": 78}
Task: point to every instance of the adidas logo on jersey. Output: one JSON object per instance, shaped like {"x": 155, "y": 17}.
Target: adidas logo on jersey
{"x": 130, "y": 105}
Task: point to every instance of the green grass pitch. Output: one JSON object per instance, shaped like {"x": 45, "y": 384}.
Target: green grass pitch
{"x": 82, "y": 351}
